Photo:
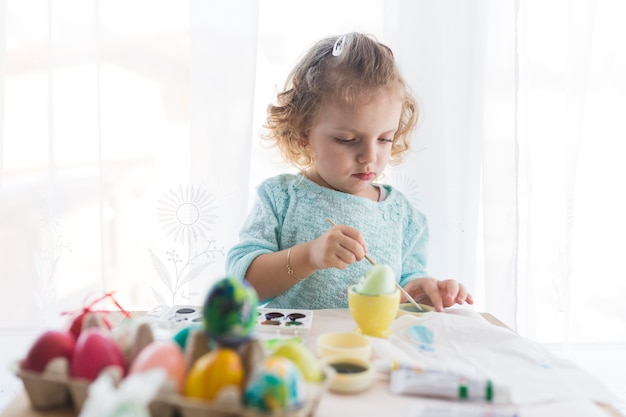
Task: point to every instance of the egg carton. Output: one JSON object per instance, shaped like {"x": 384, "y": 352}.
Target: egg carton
{"x": 47, "y": 392}
{"x": 54, "y": 388}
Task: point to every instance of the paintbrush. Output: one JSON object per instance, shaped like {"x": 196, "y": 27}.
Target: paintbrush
{"x": 406, "y": 294}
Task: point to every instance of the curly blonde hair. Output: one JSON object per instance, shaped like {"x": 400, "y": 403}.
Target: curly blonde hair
{"x": 363, "y": 68}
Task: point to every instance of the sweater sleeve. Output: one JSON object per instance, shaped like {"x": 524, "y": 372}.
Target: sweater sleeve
{"x": 260, "y": 232}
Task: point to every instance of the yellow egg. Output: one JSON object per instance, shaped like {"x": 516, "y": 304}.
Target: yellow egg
{"x": 213, "y": 371}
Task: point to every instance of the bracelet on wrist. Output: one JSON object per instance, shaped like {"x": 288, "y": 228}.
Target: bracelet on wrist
{"x": 290, "y": 269}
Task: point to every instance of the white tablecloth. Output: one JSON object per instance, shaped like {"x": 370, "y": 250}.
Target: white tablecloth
{"x": 378, "y": 401}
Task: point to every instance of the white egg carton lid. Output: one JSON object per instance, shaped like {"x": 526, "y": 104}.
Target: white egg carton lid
{"x": 167, "y": 320}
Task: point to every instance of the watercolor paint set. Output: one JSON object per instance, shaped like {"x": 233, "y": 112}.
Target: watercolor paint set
{"x": 270, "y": 322}
{"x": 284, "y": 321}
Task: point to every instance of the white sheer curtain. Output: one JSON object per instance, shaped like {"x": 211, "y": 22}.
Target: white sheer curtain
{"x": 129, "y": 147}
{"x": 572, "y": 163}
{"x": 126, "y": 148}
{"x": 461, "y": 59}
{"x": 521, "y": 156}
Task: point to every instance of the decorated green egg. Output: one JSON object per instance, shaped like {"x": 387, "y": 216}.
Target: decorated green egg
{"x": 229, "y": 311}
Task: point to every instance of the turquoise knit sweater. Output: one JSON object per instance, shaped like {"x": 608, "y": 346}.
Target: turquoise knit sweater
{"x": 290, "y": 209}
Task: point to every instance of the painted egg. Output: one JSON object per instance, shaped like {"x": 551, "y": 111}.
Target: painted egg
{"x": 276, "y": 385}
{"x": 229, "y": 311}
{"x": 222, "y": 367}
{"x": 182, "y": 335}
{"x": 94, "y": 318}
{"x": 164, "y": 354}
{"x": 95, "y": 350}
{"x": 49, "y": 345}
{"x": 310, "y": 367}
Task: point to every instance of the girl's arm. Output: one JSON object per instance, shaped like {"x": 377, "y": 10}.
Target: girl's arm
{"x": 269, "y": 273}
{"x": 273, "y": 273}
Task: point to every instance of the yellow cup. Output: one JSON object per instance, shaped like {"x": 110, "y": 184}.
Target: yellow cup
{"x": 373, "y": 313}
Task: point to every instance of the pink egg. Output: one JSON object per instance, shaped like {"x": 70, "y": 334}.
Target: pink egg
{"x": 165, "y": 354}
{"x": 49, "y": 345}
{"x": 95, "y": 350}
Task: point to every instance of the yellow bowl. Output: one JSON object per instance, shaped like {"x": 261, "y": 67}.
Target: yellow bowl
{"x": 373, "y": 313}
{"x": 348, "y": 344}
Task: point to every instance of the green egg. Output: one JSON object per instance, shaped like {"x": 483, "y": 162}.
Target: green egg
{"x": 182, "y": 335}
{"x": 229, "y": 311}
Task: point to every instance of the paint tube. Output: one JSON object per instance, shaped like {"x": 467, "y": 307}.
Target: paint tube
{"x": 440, "y": 382}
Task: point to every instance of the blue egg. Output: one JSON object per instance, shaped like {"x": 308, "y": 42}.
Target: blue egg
{"x": 182, "y": 335}
{"x": 276, "y": 385}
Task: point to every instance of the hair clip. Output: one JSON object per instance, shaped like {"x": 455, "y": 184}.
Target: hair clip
{"x": 338, "y": 47}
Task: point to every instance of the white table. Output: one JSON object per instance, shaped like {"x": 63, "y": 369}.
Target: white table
{"x": 376, "y": 401}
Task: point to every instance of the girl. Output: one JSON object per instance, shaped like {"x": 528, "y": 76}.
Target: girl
{"x": 344, "y": 114}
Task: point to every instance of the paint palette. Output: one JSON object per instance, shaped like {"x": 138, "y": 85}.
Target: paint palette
{"x": 166, "y": 320}
{"x": 270, "y": 322}
{"x": 181, "y": 314}
{"x": 284, "y": 321}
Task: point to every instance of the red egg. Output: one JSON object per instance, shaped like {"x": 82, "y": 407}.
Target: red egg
{"x": 49, "y": 345}
{"x": 77, "y": 323}
{"x": 165, "y": 354}
{"x": 95, "y": 350}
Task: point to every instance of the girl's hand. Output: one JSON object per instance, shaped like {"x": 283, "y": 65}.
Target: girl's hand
{"x": 339, "y": 247}
{"x": 436, "y": 293}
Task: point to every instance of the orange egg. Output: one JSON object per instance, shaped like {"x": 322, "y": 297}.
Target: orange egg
{"x": 164, "y": 354}
{"x": 213, "y": 371}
